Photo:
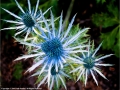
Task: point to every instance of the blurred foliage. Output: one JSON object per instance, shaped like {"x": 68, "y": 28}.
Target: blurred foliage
{"x": 17, "y": 74}
{"x": 10, "y": 6}
{"x": 101, "y": 1}
{"x": 107, "y": 20}
{"x": 111, "y": 41}
{"x": 45, "y": 4}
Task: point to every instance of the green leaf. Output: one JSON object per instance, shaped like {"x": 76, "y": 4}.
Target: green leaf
{"x": 39, "y": 79}
{"x": 101, "y": 1}
{"x": 17, "y": 74}
{"x": 111, "y": 40}
{"x": 103, "y": 20}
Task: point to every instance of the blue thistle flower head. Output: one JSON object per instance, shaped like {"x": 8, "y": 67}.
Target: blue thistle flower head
{"x": 53, "y": 71}
{"x": 28, "y": 20}
{"x": 57, "y": 46}
{"x": 90, "y": 63}
{"x": 53, "y": 48}
{"x": 51, "y": 77}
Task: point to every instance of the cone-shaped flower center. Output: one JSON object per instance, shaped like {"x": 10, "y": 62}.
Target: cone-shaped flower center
{"x": 53, "y": 71}
{"x": 89, "y": 62}
{"x": 53, "y": 48}
{"x": 28, "y": 21}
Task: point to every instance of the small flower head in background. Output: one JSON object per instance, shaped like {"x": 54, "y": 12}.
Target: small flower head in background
{"x": 51, "y": 77}
{"x": 90, "y": 64}
{"x": 56, "y": 48}
{"x": 28, "y": 21}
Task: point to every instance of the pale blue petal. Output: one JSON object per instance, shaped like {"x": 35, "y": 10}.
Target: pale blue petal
{"x": 74, "y": 37}
{"x": 56, "y": 80}
{"x": 35, "y": 65}
{"x": 40, "y": 34}
{"x": 11, "y": 21}
{"x": 36, "y": 7}
{"x": 103, "y": 57}
{"x": 12, "y": 14}
{"x": 89, "y": 49}
{"x": 76, "y": 47}
{"x": 46, "y": 24}
{"x": 17, "y": 27}
{"x": 62, "y": 81}
{"x": 19, "y": 32}
{"x": 20, "y": 27}
{"x": 86, "y": 76}
{"x": 47, "y": 10}
{"x": 82, "y": 72}
{"x": 83, "y": 54}
{"x": 35, "y": 74}
{"x": 44, "y": 14}
{"x": 49, "y": 73}
{"x": 60, "y": 24}
{"x": 51, "y": 85}
{"x": 97, "y": 64}
{"x": 28, "y": 32}
{"x": 26, "y": 43}
{"x": 9, "y": 28}
{"x": 76, "y": 51}
{"x": 75, "y": 60}
{"x": 64, "y": 74}
{"x": 29, "y": 6}
{"x": 69, "y": 28}
{"x": 52, "y": 22}
{"x": 76, "y": 69}
{"x": 63, "y": 59}
{"x": 49, "y": 77}
{"x": 60, "y": 63}
{"x": 28, "y": 56}
{"x": 99, "y": 73}
{"x": 94, "y": 77}
{"x": 42, "y": 31}
{"x": 96, "y": 50}
{"x": 43, "y": 68}
{"x": 42, "y": 81}
{"x": 78, "y": 57}
{"x": 19, "y": 6}
{"x": 56, "y": 66}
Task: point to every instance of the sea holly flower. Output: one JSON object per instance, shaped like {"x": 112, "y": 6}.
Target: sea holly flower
{"x": 51, "y": 77}
{"x": 28, "y": 20}
{"x": 56, "y": 48}
{"x": 90, "y": 64}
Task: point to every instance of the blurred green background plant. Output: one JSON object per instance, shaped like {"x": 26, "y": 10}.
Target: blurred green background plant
{"x": 109, "y": 21}
{"x": 18, "y": 69}
{"x": 101, "y": 1}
